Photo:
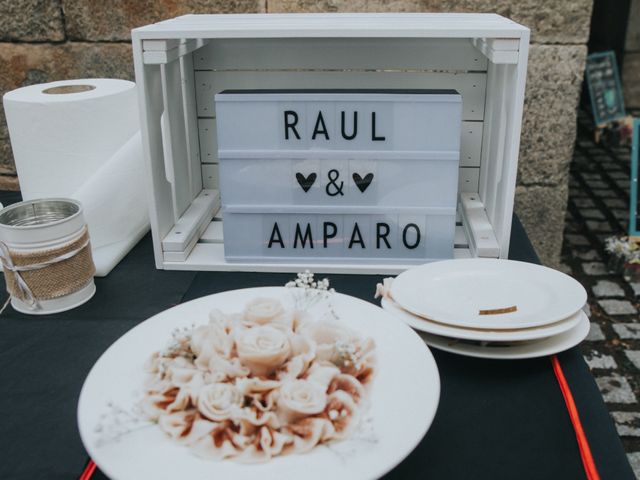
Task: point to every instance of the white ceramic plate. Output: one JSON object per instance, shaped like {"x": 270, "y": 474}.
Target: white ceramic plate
{"x": 456, "y": 291}
{"x": 404, "y": 397}
{"x": 441, "y": 329}
{"x": 532, "y": 349}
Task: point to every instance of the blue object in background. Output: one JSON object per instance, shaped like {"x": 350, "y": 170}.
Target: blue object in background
{"x": 607, "y": 103}
{"x": 635, "y": 152}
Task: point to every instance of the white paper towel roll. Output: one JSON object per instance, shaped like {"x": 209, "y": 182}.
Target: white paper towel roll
{"x": 80, "y": 139}
{"x": 60, "y": 136}
{"x": 115, "y": 204}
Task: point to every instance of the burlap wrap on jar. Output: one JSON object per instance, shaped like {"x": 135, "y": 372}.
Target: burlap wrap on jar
{"x": 57, "y": 276}
{"x": 46, "y": 255}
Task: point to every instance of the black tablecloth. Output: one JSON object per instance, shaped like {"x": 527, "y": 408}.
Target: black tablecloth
{"x": 496, "y": 419}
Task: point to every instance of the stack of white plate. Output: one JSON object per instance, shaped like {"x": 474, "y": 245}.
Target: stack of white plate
{"x": 491, "y": 308}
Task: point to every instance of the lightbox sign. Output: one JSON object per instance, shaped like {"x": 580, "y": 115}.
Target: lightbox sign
{"x": 338, "y": 175}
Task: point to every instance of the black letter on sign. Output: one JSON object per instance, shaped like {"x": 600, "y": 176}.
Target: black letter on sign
{"x": 317, "y": 130}
{"x": 303, "y": 240}
{"x": 382, "y": 236}
{"x": 404, "y": 236}
{"x": 275, "y": 236}
{"x": 325, "y": 232}
{"x": 373, "y": 129}
{"x": 355, "y": 126}
{"x": 290, "y": 125}
{"x": 356, "y": 231}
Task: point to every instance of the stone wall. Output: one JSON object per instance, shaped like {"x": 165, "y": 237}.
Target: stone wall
{"x": 631, "y": 64}
{"x": 45, "y": 40}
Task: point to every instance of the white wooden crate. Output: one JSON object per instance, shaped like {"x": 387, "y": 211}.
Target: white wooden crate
{"x": 182, "y": 63}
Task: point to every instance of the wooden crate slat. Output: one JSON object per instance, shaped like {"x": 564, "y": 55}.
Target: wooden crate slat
{"x": 156, "y": 55}
{"x": 468, "y": 179}
{"x": 498, "y": 50}
{"x": 319, "y": 25}
{"x": 471, "y": 144}
{"x": 505, "y": 197}
{"x": 208, "y": 137}
{"x": 210, "y": 176}
{"x": 478, "y": 228}
{"x": 210, "y": 256}
{"x": 470, "y": 85}
{"x": 191, "y": 125}
{"x": 443, "y": 54}
{"x": 175, "y": 139}
{"x": 493, "y": 141}
{"x": 187, "y": 230}
{"x": 150, "y": 97}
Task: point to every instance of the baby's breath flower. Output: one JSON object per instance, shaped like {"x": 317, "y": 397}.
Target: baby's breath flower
{"x": 312, "y": 290}
{"x": 624, "y": 248}
{"x": 346, "y": 355}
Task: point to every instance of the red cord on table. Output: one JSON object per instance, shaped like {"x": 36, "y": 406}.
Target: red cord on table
{"x": 88, "y": 471}
{"x": 583, "y": 444}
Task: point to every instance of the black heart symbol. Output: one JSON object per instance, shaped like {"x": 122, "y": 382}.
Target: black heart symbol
{"x": 306, "y": 182}
{"x": 363, "y": 183}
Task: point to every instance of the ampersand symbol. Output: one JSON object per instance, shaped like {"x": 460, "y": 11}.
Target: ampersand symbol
{"x": 337, "y": 189}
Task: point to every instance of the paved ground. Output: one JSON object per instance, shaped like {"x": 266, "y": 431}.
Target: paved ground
{"x": 598, "y": 208}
